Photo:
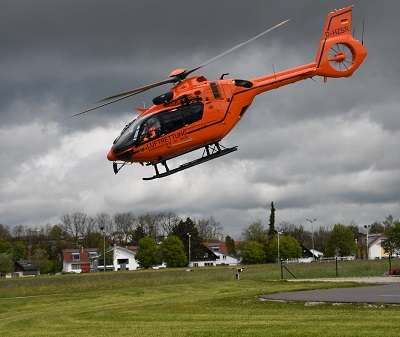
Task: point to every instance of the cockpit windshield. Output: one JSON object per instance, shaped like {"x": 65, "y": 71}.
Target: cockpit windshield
{"x": 128, "y": 135}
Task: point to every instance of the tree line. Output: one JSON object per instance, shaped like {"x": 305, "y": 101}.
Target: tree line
{"x": 164, "y": 237}
{"x": 43, "y": 245}
{"x": 260, "y": 244}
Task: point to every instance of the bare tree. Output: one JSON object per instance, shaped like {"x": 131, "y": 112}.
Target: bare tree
{"x": 76, "y": 224}
{"x": 151, "y": 223}
{"x": 167, "y": 221}
{"x": 125, "y": 224}
{"x": 19, "y": 232}
{"x": 105, "y": 221}
{"x": 209, "y": 229}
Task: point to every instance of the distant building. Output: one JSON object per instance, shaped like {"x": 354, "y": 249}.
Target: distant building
{"x": 220, "y": 250}
{"x": 24, "y": 268}
{"x": 308, "y": 255}
{"x": 375, "y": 249}
{"x": 125, "y": 258}
{"x": 82, "y": 260}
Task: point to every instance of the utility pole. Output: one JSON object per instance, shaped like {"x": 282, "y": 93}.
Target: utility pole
{"x": 367, "y": 228}
{"x": 189, "y": 236}
{"x": 311, "y": 221}
{"x": 279, "y": 255}
{"x": 104, "y": 248}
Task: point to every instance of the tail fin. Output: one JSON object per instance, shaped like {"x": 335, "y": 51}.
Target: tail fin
{"x": 339, "y": 53}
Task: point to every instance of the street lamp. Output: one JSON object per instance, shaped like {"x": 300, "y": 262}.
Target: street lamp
{"x": 311, "y": 221}
{"x": 367, "y": 227}
{"x": 189, "y": 236}
{"x": 104, "y": 247}
{"x": 279, "y": 256}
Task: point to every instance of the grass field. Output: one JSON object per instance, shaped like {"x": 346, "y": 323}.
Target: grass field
{"x": 204, "y": 302}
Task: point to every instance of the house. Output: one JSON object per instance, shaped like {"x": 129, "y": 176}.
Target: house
{"x": 82, "y": 260}
{"x": 220, "y": 250}
{"x": 375, "y": 249}
{"x": 125, "y": 258}
{"x": 25, "y": 268}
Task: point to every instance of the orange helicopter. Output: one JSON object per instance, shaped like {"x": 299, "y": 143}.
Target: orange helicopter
{"x": 197, "y": 113}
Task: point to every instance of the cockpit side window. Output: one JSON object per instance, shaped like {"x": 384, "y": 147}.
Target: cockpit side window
{"x": 150, "y": 129}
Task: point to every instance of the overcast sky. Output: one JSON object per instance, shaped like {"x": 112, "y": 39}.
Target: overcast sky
{"x": 328, "y": 151}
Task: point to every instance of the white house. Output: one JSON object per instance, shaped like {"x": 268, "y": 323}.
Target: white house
{"x": 221, "y": 252}
{"x": 124, "y": 258}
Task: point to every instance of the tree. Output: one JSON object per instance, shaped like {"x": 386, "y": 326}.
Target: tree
{"x": 40, "y": 260}
{"x": 168, "y": 220}
{"x": 298, "y": 232}
{"x": 341, "y": 241}
{"x": 148, "y": 253}
{"x": 4, "y": 233}
{"x": 6, "y": 263}
{"x": 392, "y": 244}
{"x": 252, "y": 252}
{"x": 77, "y": 225}
{"x": 151, "y": 223}
{"x": 272, "y": 230}
{"x": 105, "y": 223}
{"x": 321, "y": 239}
{"x": 209, "y": 229}
{"x": 255, "y": 232}
{"x": 376, "y": 228}
{"x": 173, "y": 252}
{"x": 138, "y": 233}
{"x": 289, "y": 248}
{"x": 181, "y": 230}
{"x": 19, "y": 250}
{"x": 124, "y": 226}
{"x": 230, "y": 245}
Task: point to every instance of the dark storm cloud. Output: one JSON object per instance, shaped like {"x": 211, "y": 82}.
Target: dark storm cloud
{"x": 311, "y": 147}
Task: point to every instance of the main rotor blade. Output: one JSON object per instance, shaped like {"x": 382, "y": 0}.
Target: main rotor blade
{"x": 108, "y": 103}
{"x": 137, "y": 90}
{"x": 226, "y": 52}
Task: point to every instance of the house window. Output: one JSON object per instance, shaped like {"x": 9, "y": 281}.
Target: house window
{"x": 208, "y": 264}
{"x": 75, "y": 266}
{"x": 195, "y": 264}
{"x": 76, "y": 257}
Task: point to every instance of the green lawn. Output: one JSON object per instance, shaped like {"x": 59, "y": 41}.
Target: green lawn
{"x": 204, "y": 302}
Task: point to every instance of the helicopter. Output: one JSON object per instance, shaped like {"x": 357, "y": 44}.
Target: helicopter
{"x": 197, "y": 113}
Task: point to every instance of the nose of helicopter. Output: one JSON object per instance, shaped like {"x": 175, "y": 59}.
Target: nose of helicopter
{"x": 111, "y": 155}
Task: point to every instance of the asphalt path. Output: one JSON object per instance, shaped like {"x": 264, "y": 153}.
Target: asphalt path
{"x": 385, "y": 294}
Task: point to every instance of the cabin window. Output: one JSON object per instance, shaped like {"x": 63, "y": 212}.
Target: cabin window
{"x": 184, "y": 115}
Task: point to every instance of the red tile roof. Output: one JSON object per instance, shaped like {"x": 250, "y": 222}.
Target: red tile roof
{"x": 216, "y": 246}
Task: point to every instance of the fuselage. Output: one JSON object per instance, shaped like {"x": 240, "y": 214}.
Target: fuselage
{"x": 200, "y": 112}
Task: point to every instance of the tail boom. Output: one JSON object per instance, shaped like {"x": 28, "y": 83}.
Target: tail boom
{"x": 339, "y": 55}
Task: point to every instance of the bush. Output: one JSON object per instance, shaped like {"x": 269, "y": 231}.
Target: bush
{"x": 6, "y": 263}
{"x": 252, "y": 252}
{"x": 173, "y": 252}
{"x": 148, "y": 253}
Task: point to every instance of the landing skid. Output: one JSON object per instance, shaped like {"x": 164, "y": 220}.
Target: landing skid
{"x": 210, "y": 152}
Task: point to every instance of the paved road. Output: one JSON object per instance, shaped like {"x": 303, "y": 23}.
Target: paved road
{"x": 389, "y": 293}
{"x": 365, "y": 279}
